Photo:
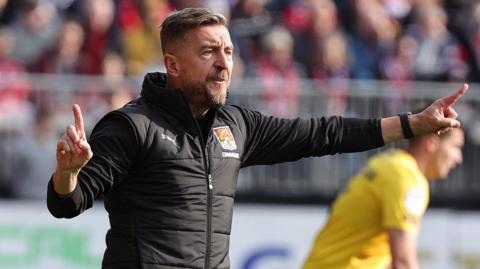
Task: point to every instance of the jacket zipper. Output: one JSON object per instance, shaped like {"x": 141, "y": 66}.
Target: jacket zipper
{"x": 209, "y": 181}
{"x": 209, "y": 221}
{"x": 209, "y": 210}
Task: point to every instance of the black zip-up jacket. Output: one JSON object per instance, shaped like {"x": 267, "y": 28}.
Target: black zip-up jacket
{"x": 169, "y": 191}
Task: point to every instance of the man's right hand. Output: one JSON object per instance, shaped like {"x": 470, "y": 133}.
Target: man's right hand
{"x": 73, "y": 152}
{"x": 440, "y": 116}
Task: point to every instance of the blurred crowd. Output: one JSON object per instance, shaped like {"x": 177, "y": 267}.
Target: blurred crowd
{"x": 397, "y": 40}
{"x": 277, "y": 42}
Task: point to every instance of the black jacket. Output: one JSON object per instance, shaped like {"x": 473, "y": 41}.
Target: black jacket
{"x": 169, "y": 191}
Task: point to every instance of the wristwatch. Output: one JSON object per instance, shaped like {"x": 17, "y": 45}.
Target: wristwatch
{"x": 406, "y": 129}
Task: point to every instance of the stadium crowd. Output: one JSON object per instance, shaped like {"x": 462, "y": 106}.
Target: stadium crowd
{"x": 278, "y": 42}
{"x": 397, "y": 40}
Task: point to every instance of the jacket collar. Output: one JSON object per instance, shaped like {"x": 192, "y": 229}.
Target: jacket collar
{"x": 155, "y": 91}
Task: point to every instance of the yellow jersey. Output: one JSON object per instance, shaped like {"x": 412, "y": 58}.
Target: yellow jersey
{"x": 390, "y": 192}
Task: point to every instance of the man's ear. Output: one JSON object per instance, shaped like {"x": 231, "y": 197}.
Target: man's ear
{"x": 171, "y": 64}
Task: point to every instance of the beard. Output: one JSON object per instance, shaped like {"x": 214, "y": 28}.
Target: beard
{"x": 207, "y": 93}
{"x": 216, "y": 89}
{"x": 211, "y": 92}
{"x": 215, "y": 98}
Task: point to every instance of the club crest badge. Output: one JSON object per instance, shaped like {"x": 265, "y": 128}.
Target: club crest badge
{"x": 225, "y": 137}
{"x": 415, "y": 201}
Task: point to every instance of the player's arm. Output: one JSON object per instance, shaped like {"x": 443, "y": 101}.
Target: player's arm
{"x": 403, "y": 249}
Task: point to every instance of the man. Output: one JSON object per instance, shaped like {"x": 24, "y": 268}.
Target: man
{"x": 167, "y": 163}
{"x": 375, "y": 222}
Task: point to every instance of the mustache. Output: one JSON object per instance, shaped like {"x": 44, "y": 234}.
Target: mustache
{"x": 222, "y": 75}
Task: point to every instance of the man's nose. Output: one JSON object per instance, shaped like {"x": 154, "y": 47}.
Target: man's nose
{"x": 221, "y": 60}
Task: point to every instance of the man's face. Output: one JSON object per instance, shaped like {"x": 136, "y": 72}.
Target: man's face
{"x": 448, "y": 154}
{"x": 205, "y": 65}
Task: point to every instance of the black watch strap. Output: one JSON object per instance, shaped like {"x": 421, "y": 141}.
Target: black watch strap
{"x": 406, "y": 129}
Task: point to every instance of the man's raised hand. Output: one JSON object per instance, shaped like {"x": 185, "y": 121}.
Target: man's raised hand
{"x": 73, "y": 152}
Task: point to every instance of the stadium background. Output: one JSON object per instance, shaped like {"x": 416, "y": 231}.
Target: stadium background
{"x": 362, "y": 58}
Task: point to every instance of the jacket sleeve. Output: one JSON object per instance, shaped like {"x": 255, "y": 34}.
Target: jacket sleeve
{"x": 272, "y": 140}
{"x": 114, "y": 144}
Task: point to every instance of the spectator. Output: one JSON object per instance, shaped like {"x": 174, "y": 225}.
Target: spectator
{"x": 113, "y": 69}
{"x": 400, "y": 63}
{"x": 14, "y": 104}
{"x": 330, "y": 70}
{"x": 437, "y": 55}
{"x": 139, "y": 22}
{"x": 250, "y": 20}
{"x": 374, "y": 34}
{"x": 15, "y": 91}
{"x": 398, "y": 67}
{"x": 472, "y": 33}
{"x": 36, "y": 30}
{"x": 31, "y": 159}
{"x": 101, "y": 34}
{"x": 324, "y": 22}
{"x": 279, "y": 76}
{"x": 66, "y": 57}
{"x": 112, "y": 92}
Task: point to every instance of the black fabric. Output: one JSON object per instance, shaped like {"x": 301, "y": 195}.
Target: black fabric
{"x": 205, "y": 124}
{"x": 151, "y": 167}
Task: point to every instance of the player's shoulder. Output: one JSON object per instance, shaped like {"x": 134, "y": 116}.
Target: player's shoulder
{"x": 396, "y": 167}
